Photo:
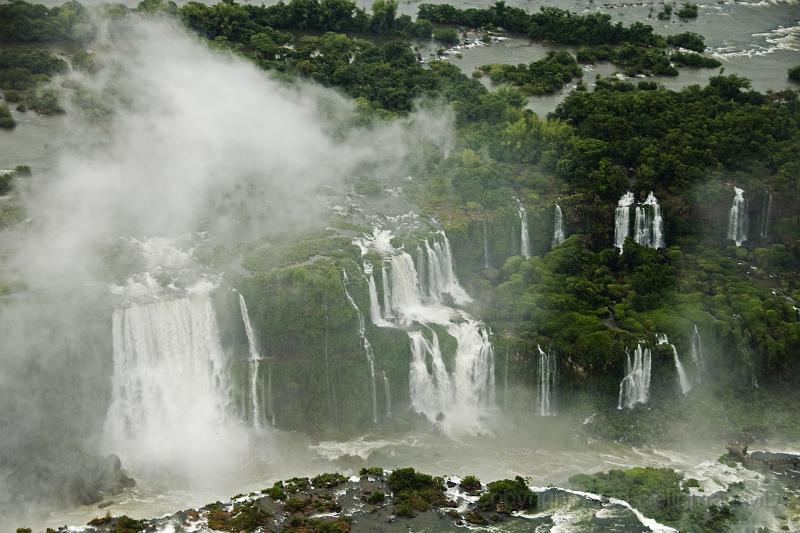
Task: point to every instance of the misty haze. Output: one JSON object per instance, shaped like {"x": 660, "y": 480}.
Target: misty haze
{"x": 336, "y": 266}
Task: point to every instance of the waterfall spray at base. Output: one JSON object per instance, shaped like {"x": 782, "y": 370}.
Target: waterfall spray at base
{"x": 622, "y": 220}
{"x": 635, "y": 386}
{"x": 256, "y": 413}
{"x": 524, "y": 240}
{"x": 683, "y": 379}
{"x": 737, "y": 218}
{"x": 558, "y": 226}
{"x": 362, "y": 335}
{"x": 171, "y": 395}
{"x": 453, "y": 397}
{"x": 548, "y": 378}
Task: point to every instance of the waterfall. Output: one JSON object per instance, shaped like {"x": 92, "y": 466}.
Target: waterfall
{"x": 441, "y": 276}
{"x": 170, "y": 393}
{"x": 683, "y": 379}
{"x": 696, "y": 353}
{"x": 649, "y": 224}
{"x": 485, "y": 246}
{"x": 641, "y": 226}
{"x": 362, "y": 334}
{"x": 387, "y": 295}
{"x": 505, "y": 382}
{"x": 737, "y": 218}
{"x": 524, "y": 241}
{"x": 255, "y": 361}
{"x": 635, "y": 386}
{"x": 270, "y": 404}
{"x": 374, "y": 305}
{"x": 657, "y": 230}
{"x": 558, "y": 226}
{"x": 548, "y": 377}
{"x": 622, "y": 223}
{"x": 430, "y": 392}
{"x": 766, "y": 213}
{"x": 422, "y": 295}
{"x": 388, "y": 392}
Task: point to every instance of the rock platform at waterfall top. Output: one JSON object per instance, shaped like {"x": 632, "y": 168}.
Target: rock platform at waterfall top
{"x": 332, "y": 503}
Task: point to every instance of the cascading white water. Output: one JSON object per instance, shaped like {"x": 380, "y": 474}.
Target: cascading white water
{"x": 524, "y": 240}
{"x": 737, "y": 218}
{"x": 388, "y": 393}
{"x": 485, "y": 246}
{"x": 505, "y": 382}
{"x": 387, "y": 295}
{"x": 457, "y": 394}
{"x": 683, "y": 379}
{"x": 657, "y": 229}
{"x": 558, "y": 226}
{"x": 362, "y": 334}
{"x": 622, "y": 220}
{"x": 548, "y": 378}
{"x": 635, "y": 386}
{"x": 256, "y": 413}
{"x": 430, "y": 391}
{"x": 696, "y": 354}
{"x": 374, "y": 306}
{"x": 270, "y": 401}
{"x": 641, "y": 226}
{"x": 766, "y": 214}
{"x": 649, "y": 224}
{"x": 441, "y": 276}
{"x": 170, "y": 395}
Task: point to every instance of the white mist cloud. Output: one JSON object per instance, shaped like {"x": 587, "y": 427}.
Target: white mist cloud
{"x": 189, "y": 128}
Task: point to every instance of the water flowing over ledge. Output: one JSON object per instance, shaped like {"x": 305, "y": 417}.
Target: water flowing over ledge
{"x": 420, "y": 295}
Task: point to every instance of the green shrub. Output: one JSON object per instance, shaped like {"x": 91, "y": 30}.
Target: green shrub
{"x": 446, "y": 36}
{"x": 471, "y": 484}
{"x": 688, "y": 11}
{"x": 376, "y": 498}
{"x": 508, "y": 495}
{"x": 6, "y": 120}
{"x": 328, "y": 481}
{"x": 794, "y": 73}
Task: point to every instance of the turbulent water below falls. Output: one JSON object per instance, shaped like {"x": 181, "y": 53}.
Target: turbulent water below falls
{"x": 542, "y": 451}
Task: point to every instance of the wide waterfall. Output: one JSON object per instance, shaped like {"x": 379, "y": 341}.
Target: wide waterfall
{"x": 171, "y": 394}
{"x": 737, "y": 218}
{"x": 548, "y": 378}
{"x": 766, "y": 213}
{"x": 524, "y": 240}
{"x": 256, "y": 413}
{"x": 648, "y": 224}
{"x": 368, "y": 352}
{"x": 683, "y": 379}
{"x": 635, "y": 386}
{"x": 558, "y": 226}
{"x": 622, "y": 220}
{"x": 696, "y": 354}
{"x": 427, "y": 299}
